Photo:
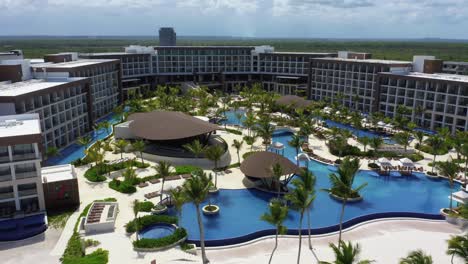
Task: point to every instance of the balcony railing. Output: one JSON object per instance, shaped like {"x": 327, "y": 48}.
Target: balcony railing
{"x": 8, "y": 195}
{"x": 25, "y": 174}
{"x": 4, "y": 158}
{"x": 27, "y": 192}
{"x": 5, "y": 177}
{"x": 23, "y": 156}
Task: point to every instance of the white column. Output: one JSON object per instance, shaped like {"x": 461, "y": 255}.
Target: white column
{"x": 16, "y": 195}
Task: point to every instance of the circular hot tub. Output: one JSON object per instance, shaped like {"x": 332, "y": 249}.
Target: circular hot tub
{"x": 157, "y": 231}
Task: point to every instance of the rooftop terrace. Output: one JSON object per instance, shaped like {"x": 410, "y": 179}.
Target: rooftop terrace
{"x": 33, "y": 85}
{"x": 19, "y": 125}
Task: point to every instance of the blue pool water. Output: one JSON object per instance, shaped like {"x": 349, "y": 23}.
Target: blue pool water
{"x": 75, "y": 151}
{"x": 358, "y": 132}
{"x": 231, "y": 118}
{"x": 241, "y": 209}
{"x": 157, "y": 231}
{"x": 21, "y": 228}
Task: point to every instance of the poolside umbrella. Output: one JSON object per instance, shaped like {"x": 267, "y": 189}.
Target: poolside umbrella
{"x": 381, "y": 124}
{"x": 405, "y": 162}
{"x": 277, "y": 146}
{"x": 384, "y": 162}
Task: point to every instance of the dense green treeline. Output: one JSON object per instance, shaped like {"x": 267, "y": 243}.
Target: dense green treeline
{"x": 396, "y": 50}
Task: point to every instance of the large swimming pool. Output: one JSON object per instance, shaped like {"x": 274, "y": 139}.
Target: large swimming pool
{"x": 231, "y": 118}
{"x": 241, "y": 209}
{"x": 358, "y": 132}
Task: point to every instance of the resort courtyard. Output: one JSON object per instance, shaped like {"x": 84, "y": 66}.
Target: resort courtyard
{"x": 390, "y": 204}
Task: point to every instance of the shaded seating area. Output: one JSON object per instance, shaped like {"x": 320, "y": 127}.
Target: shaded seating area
{"x": 258, "y": 168}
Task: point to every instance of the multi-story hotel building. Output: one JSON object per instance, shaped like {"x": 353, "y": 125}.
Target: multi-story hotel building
{"x": 455, "y": 67}
{"x": 351, "y": 81}
{"x": 443, "y": 98}
{"x": 63, "y": 105}
{"x": 20, "y": 165}
{"x": 105, "y": 79}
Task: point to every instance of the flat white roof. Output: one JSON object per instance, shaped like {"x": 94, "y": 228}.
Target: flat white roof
{"x": 19, "y": 125}
{"x": 57, "y": 173}
{"x": 434, "y": 76}
{"x": 72, "y": 64}
{"x": 368, "y": 61}
{"x": 33, "y": 85}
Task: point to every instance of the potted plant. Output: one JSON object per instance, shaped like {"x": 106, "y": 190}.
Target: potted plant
{"x": 210, "y": 209}
{"x": 160, "y": 209}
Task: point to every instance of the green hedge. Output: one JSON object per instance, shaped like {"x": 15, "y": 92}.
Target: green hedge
{"x": 99, "y": 256}
{"x": 148, "y": 220}
{"x": 187, "y": 169}
{"x": 178, "y": 234}
{"x": 122, "y": 186}
{"x": 96, "y": 173}
{"x": 145, "y": 206}
{"x": 233, "y": 131}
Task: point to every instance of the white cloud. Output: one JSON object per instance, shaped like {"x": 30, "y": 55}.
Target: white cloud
{"x": 207, "y": 6}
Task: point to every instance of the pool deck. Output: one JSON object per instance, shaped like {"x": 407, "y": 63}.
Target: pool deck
{"x": 380, "y": 240}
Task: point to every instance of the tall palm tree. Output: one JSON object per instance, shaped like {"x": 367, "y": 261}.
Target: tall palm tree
{"x": 296, "y": 143}
{"x": 342, "y": 185}
{"x": 265, "y": 130}
{"x": 195, "y": 147}
{"x": 347, "y": 253}
{"x": 365, "y": 141}
{"x": 308, "y": 180}
{"x": 300, "y": 200}
{"x": 419, "y": 136}
{"x": 420, "y": 110}
{"x": 249, "y": 122}
{"x": 164, "y": 170}
{"x": 119, "y": 112}
{"x": 436, "y": 143}
{"x": 464, "y": 152}
{"x": 376, "y": 143}
{"x": 450, "y": 170}
{"x": 458, "y": 247}
{"x": 136, "y": 209}
{"x": 120, "y": 146}
{"x": 196, "y": 190}
{"x": 129, "y": 175}
{"x": 84, "y": 141}
{"x": 277, "y": 172}
{"x": 178, "y": 199}
{"x": 250, "y": 140}
{"x": 214, "y": 153}
{"x": 139, "y": 146}
{"x": 403, "y": 138}
{"x": 276, "y": 216}
{"x": 52, "y": 152}
{"x": 237, "y": 145}
{"x": 305, "y": 130}
{"x": 416, "y": 257}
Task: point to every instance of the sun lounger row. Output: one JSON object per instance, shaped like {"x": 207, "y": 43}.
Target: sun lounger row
{"x": 143, "y": 184}
{"x": 151, "y": 195}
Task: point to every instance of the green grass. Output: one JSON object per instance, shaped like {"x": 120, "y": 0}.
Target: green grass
{"x": 396, "y": 50}
{"x": 58, "y": 219}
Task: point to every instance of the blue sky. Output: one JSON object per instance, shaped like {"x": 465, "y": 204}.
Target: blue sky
{"x": 247, "y": 18}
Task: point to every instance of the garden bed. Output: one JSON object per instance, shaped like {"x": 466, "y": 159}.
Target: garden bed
{"x": 157, "y": 244}
{"x": 349, "y": 200}
{"x": 96, "y": 173}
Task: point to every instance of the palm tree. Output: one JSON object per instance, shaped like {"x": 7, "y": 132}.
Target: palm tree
{"x": 129, "y": 175}
{"x": 416, "y": 257}
{"x": 420, "y": 110}
{"x": 347, "y": 253}
{"x": 464, "y": 152}
{"x": 448, "y": 169}
{"x": 84, "y": 141}
{"x": 296, "y": 143}
{"x": 340, "y": 143}
{"x": 139, "y": 146}
{"x": 365, "y": 141}
{"x": 308, "y": 179}
{"x": 195, "y": 190}
{"x": 120, "y": 146}
{"x": 419, "y": 135}
{"x": 265, "y": 131}
{"x": 376, "y": 143}
{"x": 136, "y": 209}
{"x": 52, "y": 152}
{"x": 277, "y": 172}
{"x": 214, "y": 153}
{"x": 237, "y": 145}
{"x": 250, "y": 140}
{"x": 104, "y": 125}
{"x": 301, "y": 199}
{"x": 164, "y": 170}
{"x": 403, "y": 138}
{"x": 195, "y": 147}
{"x": 249, "y": 121}
{"x": 436, "y": 143}
{"x": 306, "y": 130}
{"x": 342, "y": 185}
{"x": 276, "y": 216}
{"x": 458, "y": 247}
{"x": 178, "y": 199}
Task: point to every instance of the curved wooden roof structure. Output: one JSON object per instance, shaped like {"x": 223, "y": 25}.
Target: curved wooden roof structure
{"x": 168, "y": 125}
{"x": 292, "y": 100}
{"x": 259, "y": 164}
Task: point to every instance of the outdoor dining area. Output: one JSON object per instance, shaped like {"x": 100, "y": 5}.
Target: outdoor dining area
{"x": 404, "y": 166}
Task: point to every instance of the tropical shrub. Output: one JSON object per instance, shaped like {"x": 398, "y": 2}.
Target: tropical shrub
{"x": 146, "y": 206}
{"x": 187, "y": 169}
{"x": 178, "y": 234}
{"x": 122, "y": 186}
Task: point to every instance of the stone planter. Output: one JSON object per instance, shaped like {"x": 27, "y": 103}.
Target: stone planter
{"x": 161, "y": 210}
{"x": 213, "y": 190}
{"x": 432, "y": 176}
{"x": 210, "y": 212}
{"x": 349, "y": 200}
{"x": 450, "y": 219}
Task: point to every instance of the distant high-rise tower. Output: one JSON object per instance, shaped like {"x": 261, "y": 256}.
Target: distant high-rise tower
{"x": 167, "y": 36}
